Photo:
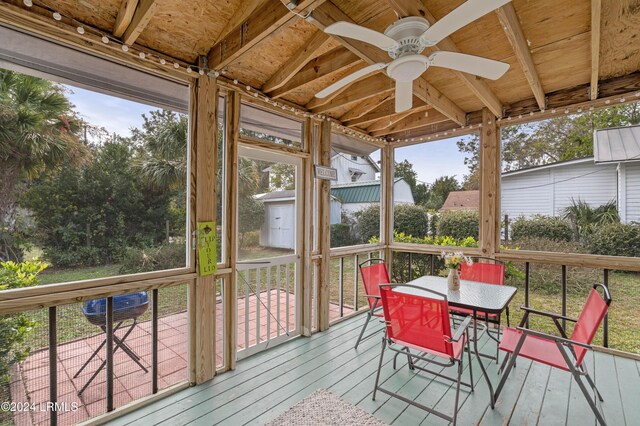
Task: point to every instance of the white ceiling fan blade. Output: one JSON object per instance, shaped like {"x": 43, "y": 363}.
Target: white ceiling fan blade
{"x": 476, "y": 65}
{"x": 464, "y": 14}
{"x": 349, "y": 79}
{"x": 347, "y": 29}
{"x": 404, "y": 95}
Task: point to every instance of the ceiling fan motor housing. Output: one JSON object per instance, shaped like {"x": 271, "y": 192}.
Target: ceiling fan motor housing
{"x": 407, "y": 32}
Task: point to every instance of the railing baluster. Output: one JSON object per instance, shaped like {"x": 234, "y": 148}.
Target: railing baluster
{"x": 246, "y": 308}
{"x": 53, "y": 364}
{"x": 109, "y": 355}
{"x": 355, "y": 282}
{"x": 432, "y": 265}
{"x": 258, "y": 281}
{"x": 564, "y": 296}
{"x": 605, "y": 325}
{"x": 268, "y": 303}
{"x": 410, "y": 266}
{"x": 287, "y": 294}
{"x": 341, "y": 288}
{"x": 154, "y": 341}
{"x": 527, "y": 270}
{"x": 278, "y": 284}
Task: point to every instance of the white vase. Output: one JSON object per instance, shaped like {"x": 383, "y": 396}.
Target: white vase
{"x": 453, "y": 280}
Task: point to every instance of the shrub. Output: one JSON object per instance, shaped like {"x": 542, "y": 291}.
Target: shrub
{"x": 459, "y": 224}
{"x": 342, "y": 236}
{"x": 15, "y": 329}
{"x": 616, "y": 240}
{"x": 166, "y": 256}
{"x": 544, "y": 227}
{"x": 250, "y": 239}
{"x": 410, "y": 219}
{"x": 77, "y": 256}
{"x": 367, "y": 223}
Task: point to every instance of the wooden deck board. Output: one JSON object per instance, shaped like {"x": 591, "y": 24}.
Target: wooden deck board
{"x": 267, "y": 384}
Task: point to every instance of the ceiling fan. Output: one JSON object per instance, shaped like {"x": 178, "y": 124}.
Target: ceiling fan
{"x": 405, "y": 40}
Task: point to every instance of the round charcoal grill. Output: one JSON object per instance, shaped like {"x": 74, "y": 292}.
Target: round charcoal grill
{"x": 125, "y": 307}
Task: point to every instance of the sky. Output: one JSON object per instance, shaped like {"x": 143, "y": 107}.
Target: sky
{"x": 115, "y": 114}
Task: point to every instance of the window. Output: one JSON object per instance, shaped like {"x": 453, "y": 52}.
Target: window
{"x": 354, "y": 157}
{"x": 261, "y": 124}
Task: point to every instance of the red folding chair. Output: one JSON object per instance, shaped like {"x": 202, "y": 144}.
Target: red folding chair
{"x": 559, "y": 351}
{"x": 372, "y": 276}
{"x": 418, "y": 319}
{"x": 488, "y": 273}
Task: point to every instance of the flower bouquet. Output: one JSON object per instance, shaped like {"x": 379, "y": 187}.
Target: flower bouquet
{"x": 453, "y": 262}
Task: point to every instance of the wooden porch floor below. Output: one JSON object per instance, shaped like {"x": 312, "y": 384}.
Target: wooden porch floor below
{"x": 267, "y": 384}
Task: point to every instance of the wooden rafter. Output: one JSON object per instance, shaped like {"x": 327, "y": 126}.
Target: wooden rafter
{"x": 478, "y": 86}
{"x": 515, "y": 35}
{"x": 359, "y": 91}
{"x": 329, "y": 13}
{"x": 244, "y": 10}
{"x": 141, "y": 17}
{"x": 125, "y": 15}
{"x": 413, "y": 121}
{"x": 325, "y": 65}
{"x": 596, "y": 8}
{"x": 262, "y": 22}
{"x": 295, "y": 63}
{"x": 362, "y": 115}
{"x": 390, "y": 120}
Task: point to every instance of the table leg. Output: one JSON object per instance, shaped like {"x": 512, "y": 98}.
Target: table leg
{"x": 477, "y": 351}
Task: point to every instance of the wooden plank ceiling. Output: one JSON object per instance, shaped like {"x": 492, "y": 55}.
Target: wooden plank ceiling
{"x": 559, "y": 51}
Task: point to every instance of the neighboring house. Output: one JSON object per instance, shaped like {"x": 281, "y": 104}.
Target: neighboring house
{"x": 462, "y": 200}
{"x": 612, "y": 174}
{"x": 357, "y": 188}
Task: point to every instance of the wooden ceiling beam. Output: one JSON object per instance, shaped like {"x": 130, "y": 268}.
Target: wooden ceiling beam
{"x": 515, "y": 35}
{"x": 356, "y": 117}
{"x": 262, "y": 22}
{"x": 478, "y": 86}
{"x": 286, "y": 72}
{"x": 413, "y": 121}
{"x": 328, "y": 13}
{"x": 385, "y": 100}
{"x": 242, "y": 12}
{"x": 596, "y": 8}
{"x": 125, "y": 15}
{"x": 141, "y": 17}
{"x": 389, "y": 121}
{"x": 364, "y": 89}
{"x": 327, "y": 64}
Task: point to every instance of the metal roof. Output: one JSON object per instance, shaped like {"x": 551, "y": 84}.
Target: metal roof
{"x": 358, "y": 192}
{"x": 616, "y": 145}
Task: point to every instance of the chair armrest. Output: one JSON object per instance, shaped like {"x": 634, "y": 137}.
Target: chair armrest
{"x": 547, "y": 314}
{"x": 462, "y": 329}
{"x": 552, "y": 337}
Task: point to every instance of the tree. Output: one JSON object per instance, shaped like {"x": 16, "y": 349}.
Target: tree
{"x": 419, "y": 190}
{"x": 282, "y": 176}
{"x": 440, "y": 190}
{"x": 470, "y": 146}
{"x": 37, "y": 133}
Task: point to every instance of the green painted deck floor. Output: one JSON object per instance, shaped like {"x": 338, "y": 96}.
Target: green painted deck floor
{"x": 267, "y": 384}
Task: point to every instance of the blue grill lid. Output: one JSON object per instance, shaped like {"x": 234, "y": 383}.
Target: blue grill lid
{"x": 120, "y": 303}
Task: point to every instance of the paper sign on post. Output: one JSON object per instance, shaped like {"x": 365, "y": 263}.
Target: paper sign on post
{"x": 207, "y": 258}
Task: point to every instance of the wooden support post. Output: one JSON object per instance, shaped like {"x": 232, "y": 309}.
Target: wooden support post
{"x": 206, "y": 134}
{"x": 386, "y": 212}
{"x": 324, "y": 226}
{"x": 307, "y": 237}
{"x": 230, "y": 293}
{"x": 489, "y": 185}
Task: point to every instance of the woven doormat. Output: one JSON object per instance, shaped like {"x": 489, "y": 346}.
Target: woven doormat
{"x": 326, "y": 409}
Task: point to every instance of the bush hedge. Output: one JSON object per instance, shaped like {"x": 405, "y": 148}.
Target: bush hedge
{"x": 342, "y": 236}
{"x": 459, "y": 224}
{"x": 616, "y": 240}
{"x": 367, "y": 223}
{"x": 411, "y": 220}
{"x": 166, "y": 256}
{"x": 545, "y": 227}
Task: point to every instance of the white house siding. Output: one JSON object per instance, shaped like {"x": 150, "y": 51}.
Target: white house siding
{"x": 549, "y": 191}
{"x": 535, "y": 199}
{"x": 632, "y": 193}
{"x": 343, "y": 162}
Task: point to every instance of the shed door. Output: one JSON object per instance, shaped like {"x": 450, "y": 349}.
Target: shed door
{"x": 281, "y": 226}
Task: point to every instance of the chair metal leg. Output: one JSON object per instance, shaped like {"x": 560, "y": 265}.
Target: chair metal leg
{"x": 591, "y": 382}
{"x": 470, "y": 364}
{"x": 364, "y": 327}
{"x": 455, "y": 407}
{"x": 375, "y": 388}
{"x": 498, "y": 342}
{"x": 508, "y": 322}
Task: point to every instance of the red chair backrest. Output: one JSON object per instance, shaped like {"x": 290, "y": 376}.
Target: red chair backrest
{"x": 417, "y": 320}
{"x": 490, "y": 273}
{"x": 372, "y": 277}
{"x": 588, "y": 323}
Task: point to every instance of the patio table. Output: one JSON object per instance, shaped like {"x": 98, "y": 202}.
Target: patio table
{"x": 476, "y": 297}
